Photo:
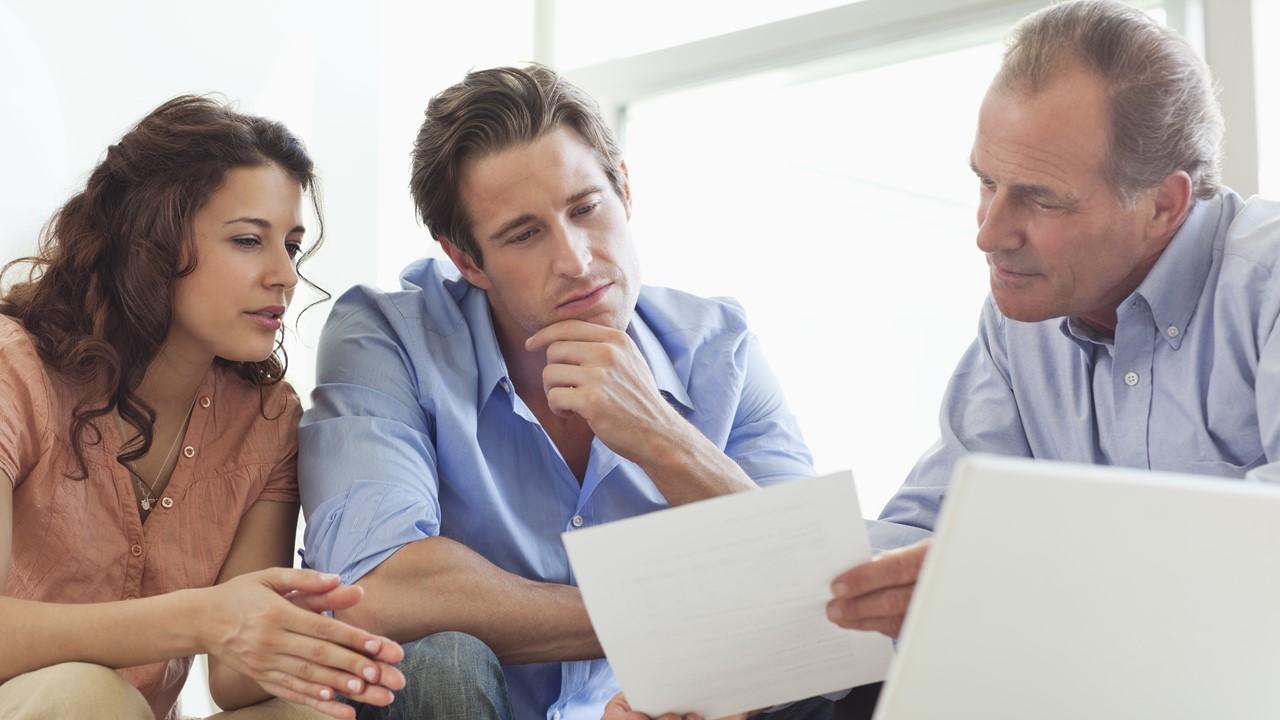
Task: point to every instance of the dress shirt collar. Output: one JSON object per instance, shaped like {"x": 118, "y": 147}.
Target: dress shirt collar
{"x": 1173, "y": 286}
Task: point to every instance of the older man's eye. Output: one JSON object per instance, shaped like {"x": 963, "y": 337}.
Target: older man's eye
{"x": 585, "y": 209}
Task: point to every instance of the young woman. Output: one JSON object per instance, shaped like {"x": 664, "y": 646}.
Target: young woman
{"x": 148, "y": 493}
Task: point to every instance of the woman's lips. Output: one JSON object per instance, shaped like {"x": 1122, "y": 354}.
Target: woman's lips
{"x": 266, "y": 320}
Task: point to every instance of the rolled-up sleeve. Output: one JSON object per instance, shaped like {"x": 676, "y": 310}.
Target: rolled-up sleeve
{"x": 367, "y": 463}
{"x": 765, "y": 440}
{"x": 979, "y": 414}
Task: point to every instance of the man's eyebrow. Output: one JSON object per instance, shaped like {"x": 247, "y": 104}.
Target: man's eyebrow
{"x": 583, "y": 193}
{"x": 262, "y": 223}
{"x": 523, "y": 219}
{"x": 1032, "y": 190}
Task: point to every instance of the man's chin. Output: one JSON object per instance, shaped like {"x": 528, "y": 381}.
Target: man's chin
{"x": 1021, "y": 309}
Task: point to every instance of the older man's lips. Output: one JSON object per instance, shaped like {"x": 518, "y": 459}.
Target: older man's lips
{"x": 1009, "y": 278}
{"x": 585, "y": 301}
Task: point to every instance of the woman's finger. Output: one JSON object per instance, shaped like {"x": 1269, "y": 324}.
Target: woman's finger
{"x": 329, "y": 664}
{"x": 336, "y": 632}
{"x": 332, "y": 708}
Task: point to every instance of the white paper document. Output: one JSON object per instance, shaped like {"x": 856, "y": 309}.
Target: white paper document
{"x": 719, "y": 606}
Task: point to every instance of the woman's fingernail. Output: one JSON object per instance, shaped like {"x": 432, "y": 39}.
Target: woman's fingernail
{"x": 834, "y": 612}
{"x": 372, "y": 646}
{"x": 840, "y": 589}
{"x": 326, "y": 694}
{"x": 370, "y": 674}
{"x": 353, "y": 685}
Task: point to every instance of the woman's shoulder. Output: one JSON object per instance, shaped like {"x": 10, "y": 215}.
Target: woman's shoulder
{"x": 16, "y": 343}
{"x": 19, "y": 357}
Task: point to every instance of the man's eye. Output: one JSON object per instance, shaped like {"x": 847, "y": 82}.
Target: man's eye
{"x": 524, "y": 236}
{"x": 585, "y": 209}
{"x": 987, "y": 183}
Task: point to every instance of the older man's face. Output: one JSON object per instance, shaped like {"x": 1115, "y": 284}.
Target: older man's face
{"x": 1059, "y": 239}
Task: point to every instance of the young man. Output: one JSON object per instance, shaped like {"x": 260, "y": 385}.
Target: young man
{"x": 461, "y": 424}
{"x": 1133, "y": 311}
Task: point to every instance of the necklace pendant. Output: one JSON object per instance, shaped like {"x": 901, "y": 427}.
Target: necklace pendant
{"x": 146, "y": 504}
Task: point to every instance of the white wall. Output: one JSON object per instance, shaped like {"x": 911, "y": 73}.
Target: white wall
{"x": 351, "y": 79}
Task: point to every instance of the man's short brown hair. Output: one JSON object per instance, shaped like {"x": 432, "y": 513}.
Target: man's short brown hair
{"x": 490, "y": 111}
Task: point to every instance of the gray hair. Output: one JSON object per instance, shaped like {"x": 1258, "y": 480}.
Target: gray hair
{"x": 1164, "y": 113}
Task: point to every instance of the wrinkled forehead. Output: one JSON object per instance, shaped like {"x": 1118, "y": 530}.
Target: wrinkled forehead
{"x": 1059, "y": 133}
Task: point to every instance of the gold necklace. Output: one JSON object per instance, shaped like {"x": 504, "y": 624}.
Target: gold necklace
{"x": 148, "y": 489}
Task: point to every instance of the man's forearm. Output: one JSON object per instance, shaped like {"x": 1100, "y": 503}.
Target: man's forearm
{"x": 686, "y": 467}
{"x": 436, "y": 585}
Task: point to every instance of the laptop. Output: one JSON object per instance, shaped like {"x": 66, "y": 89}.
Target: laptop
{"x": 1072, "y": 591}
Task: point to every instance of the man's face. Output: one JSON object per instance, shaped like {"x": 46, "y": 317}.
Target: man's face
{"x": 1059, "y": 239}
{"x": 553, "y": 234}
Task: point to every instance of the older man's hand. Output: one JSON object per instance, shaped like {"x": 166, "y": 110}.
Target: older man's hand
{"x": 875, "y": 595}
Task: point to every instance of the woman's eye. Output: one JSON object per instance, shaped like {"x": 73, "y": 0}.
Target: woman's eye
{"x": 293, "y": 249}
{"x": 247, "y": 241}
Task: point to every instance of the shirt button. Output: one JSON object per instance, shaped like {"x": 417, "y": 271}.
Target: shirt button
{"x": 506, "y": 385}
{"x": 1172, "y": 331}
{"x": 166, "y": 502}
{"x": 555, "y": 715}
{"x": 205, "y": 401}
{"x": 1131, "y": 378}
{"x": 577, "y": 521}
{"x": 189, "y": 451}
{"x": 136, "y": 550}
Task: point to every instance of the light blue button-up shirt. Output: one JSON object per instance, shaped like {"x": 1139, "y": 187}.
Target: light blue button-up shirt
{"x": 416, "y": 431}
{"x": 1191, "y": 382}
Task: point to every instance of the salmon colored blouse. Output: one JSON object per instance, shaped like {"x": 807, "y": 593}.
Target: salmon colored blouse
{"x": 83, "y": 541}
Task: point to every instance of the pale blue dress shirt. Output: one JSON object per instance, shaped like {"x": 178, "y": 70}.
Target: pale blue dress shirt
{"x": 416, "y": 431}
{"x": 1190, "y": 384}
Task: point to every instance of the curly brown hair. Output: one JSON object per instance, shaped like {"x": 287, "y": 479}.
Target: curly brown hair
{"x": 99, "y": 294}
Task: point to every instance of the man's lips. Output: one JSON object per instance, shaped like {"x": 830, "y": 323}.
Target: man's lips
{"x": 585, "y": 298}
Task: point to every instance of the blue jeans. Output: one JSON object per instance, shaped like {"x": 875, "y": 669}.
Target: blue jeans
{"x": 450, "y": 676}
{"x": 811, "y": 709}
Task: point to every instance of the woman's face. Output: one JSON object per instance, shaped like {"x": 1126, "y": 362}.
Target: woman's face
{"x": 246, "y": 237}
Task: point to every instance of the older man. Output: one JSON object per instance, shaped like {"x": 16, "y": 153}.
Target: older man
{"x": 1133, "y": 307}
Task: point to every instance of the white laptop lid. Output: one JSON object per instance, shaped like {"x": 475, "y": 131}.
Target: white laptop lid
{"x": 1072, "y": 591}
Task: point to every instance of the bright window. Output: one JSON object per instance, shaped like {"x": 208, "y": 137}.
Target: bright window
{"x": 586, "y": 31}
{"x": 839, "y": 209}
{"x": 1266, "y": 14}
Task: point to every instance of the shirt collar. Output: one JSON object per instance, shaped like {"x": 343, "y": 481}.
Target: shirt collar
{"x": 1173, "y": 287}
{"x": 659, "y": 361}
{"x": 492, "y": 367}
